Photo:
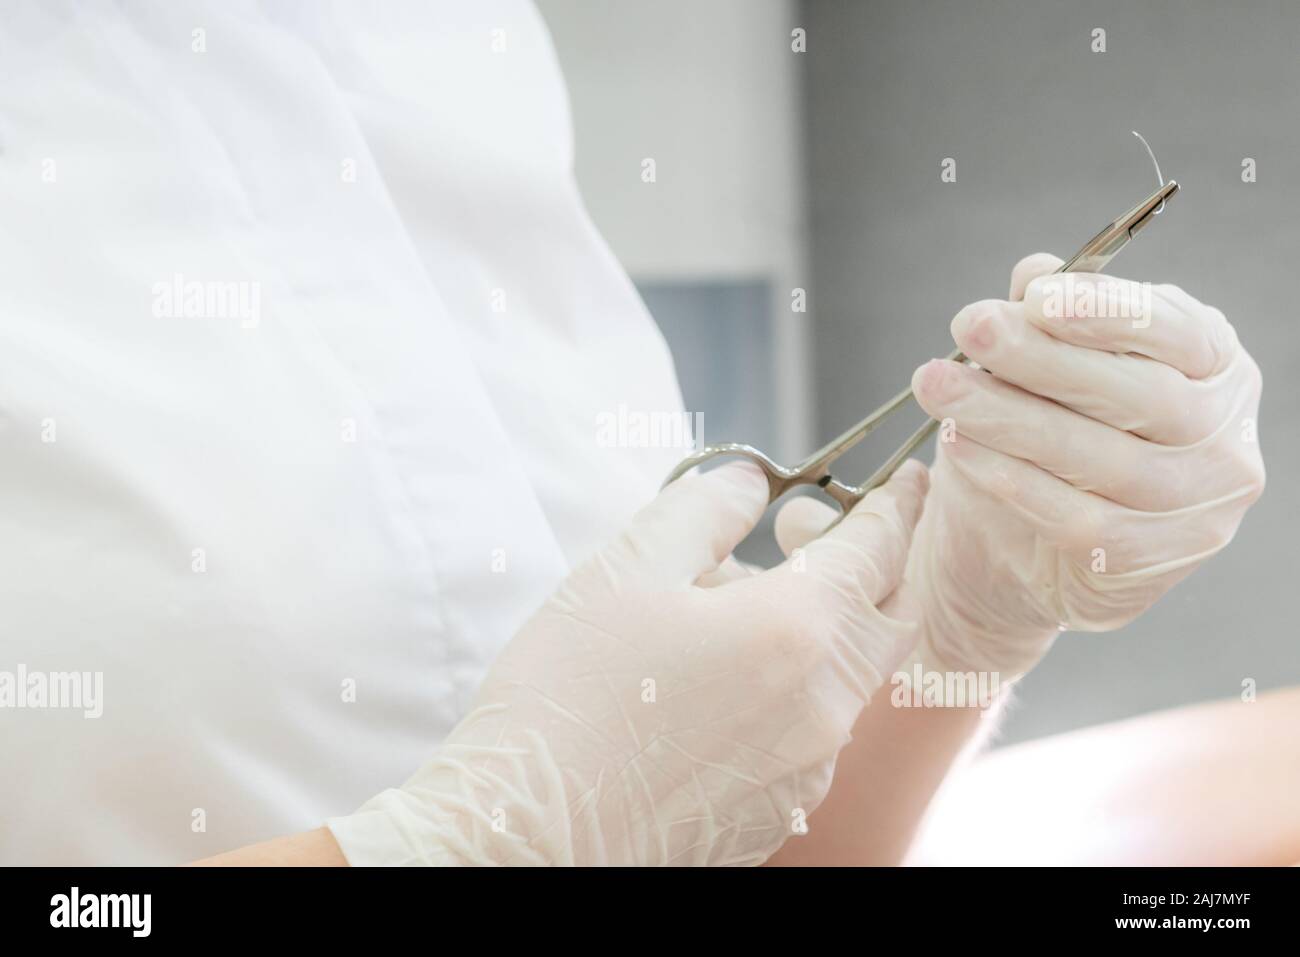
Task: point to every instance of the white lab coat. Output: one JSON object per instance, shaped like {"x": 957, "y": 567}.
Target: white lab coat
{"x": 243, "y": 518}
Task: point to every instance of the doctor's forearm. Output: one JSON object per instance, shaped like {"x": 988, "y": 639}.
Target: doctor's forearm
{"x": 884, "y": 781}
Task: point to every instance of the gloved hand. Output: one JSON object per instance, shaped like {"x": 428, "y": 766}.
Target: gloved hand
{"x": 1102, "y": 461}
{"x": 644, "y": 717}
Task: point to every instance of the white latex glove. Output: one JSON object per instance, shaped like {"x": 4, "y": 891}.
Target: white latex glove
{"x": 642, "y": 718}
{"x": 1102, "y": 461}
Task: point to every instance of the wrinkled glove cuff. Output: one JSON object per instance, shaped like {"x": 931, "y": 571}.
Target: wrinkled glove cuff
{"x": 386, "y": 831}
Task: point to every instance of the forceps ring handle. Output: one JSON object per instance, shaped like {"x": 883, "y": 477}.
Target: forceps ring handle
{"x": 780, "y": 479}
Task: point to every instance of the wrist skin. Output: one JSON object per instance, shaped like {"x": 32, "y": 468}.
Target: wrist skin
{"x": 884, "y": 781}
{"x": 887, "y": 775}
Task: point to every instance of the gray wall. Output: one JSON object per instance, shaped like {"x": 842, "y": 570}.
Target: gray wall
{"x": 1039, "y": 126}
{"x": 710, "y": 91}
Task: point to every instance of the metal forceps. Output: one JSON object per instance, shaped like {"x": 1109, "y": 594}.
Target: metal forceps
{"x": 815, "y": 469}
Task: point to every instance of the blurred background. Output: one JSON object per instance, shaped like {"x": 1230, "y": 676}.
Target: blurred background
{"x": 778, "y": 171}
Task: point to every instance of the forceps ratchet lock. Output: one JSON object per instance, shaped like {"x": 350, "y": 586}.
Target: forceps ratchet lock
{"x": 815, "y": 469}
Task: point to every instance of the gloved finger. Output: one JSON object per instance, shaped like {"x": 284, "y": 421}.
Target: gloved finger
{"x": 801, "y": 520}
{"x": 1129, "y": 392}
{"x": 731, "y": 570}
{"x": 1086, "y": 453}
{"x": 1117, "y": 315}
{"x": 863, "y": 557}
{"x": 1029, "y": 269}
{"x": 693, "y": 525}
